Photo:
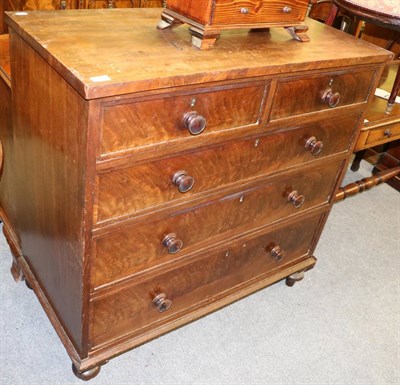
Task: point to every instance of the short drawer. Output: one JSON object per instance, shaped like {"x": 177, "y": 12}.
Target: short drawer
{"x": 383, "y": 134}
{"x": 199, "y": 282}
{"x": 129, "y": 251}
{"x": 136, "y": 124}
{"x": 132, "y": 190}
{"x": 321, "y": 92}
{"x": 253, "y": 12}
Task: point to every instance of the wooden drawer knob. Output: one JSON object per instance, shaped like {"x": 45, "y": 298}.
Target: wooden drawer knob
{"x": 278, "y": 253}
{"x": 387, "y": 133}
{"x": 331, "y": 98}
{"x": 172, "y": 243}
{"x": 161, "y": 302}
{"x": 184, "y": 181}
{"x": 313, "y": 145}
{"x": 194, "y": 122}
{"x": 296, "y": 199}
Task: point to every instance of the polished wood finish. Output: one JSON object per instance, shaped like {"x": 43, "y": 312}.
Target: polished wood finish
{"x": 54, "y": 5}
{"x": 120, "y": 254}
{"x": 366, "y": 183}
{"x": 317, "y": 93}
{"x": 115, "y": 252}
{"x": 198, "y": 282}
{"x": 162, "y": 119}
{"x": 8, "y": 191}
{"x": 216, "y": 168}
{"x": 208, "y": 18}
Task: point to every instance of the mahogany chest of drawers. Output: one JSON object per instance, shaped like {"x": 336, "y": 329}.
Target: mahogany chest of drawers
{"x": 156, "y": 183}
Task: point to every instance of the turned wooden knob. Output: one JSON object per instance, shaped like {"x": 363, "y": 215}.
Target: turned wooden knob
{"x": 296, "y": 199}
{"x": 313, "y": 145}
{"x": 172, "y": 243}
{"x": 331, "y": 98}
{"x": 194, "y": 122}
{"x": 278, "y": 253}
{"x": 161, "y": 302}
{"x": 184, "y": 181}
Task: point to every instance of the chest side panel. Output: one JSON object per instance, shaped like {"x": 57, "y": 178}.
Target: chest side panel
{"x": 50, "y": 144}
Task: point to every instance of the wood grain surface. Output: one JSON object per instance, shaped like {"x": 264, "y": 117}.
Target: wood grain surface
{"x": 134, "y": 56}
{"x": 198, "y": 282}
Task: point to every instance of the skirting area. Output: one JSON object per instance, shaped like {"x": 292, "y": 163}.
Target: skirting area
{"x": 340, "y": 325}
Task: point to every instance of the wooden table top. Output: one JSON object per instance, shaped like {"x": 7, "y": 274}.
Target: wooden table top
{"x": 109, "y": 52}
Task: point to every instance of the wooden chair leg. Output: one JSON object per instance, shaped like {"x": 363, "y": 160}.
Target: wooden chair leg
{"x": 332, "y": 15}
{"x": 393, "y": 94}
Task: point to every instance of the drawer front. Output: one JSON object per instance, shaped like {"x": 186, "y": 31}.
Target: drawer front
{"x": 134, "y": 249}
{"x": 201, "y": 281}
{"x": 383, "y": 134}
{"x": 253, "y": 12}
{"x": 301, "y": 96}
{"x": 168, "y": 118}
{"x": 131, "y": 190}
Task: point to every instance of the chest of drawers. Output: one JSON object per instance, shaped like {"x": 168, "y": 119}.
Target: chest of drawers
{"x": 156, "y": 183}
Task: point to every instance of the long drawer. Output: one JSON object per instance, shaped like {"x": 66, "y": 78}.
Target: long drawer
{"x": 133, "y": 249}
{"x": 310, "y": 94}
{"x": 199, "y": 282}
{"x": 158, "y": 119}
{"x": 132, "y": 190}
{"x": 252, "y": 12}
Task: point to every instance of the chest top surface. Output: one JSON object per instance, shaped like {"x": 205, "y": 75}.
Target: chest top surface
{"x": 117, "y": 51}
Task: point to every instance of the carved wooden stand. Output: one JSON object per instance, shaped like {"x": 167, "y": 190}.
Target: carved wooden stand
{"x": 205, "y": 36}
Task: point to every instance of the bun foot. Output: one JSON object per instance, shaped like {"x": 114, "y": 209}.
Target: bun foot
{"x": 87, "y": 374}
{"x": 296, "y": 277}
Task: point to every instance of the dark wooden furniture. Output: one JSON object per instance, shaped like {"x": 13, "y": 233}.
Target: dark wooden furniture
{"x": 390, "y": 160}
{"x": 209, "y": 17}
{"x": 149, "y": 195}
{"x": 7, "y": 194}
{"x": 379, "y": 128}
{"x": 51, "y": 5}
{"x": 373, "y": 11}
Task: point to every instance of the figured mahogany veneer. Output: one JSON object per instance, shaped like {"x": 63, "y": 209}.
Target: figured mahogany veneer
{"x": 199, "y": 282}
{"x": 321, "y": 92}
{"x": 216, "y": 167}
{"x": 162, "y": 120}
{"x": 146, "y": 184}
{"x": 121, "y": 254}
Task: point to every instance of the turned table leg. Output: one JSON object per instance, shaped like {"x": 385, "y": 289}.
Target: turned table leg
{"x": 357, "y": 160}
{"x": 394, "y": 92}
